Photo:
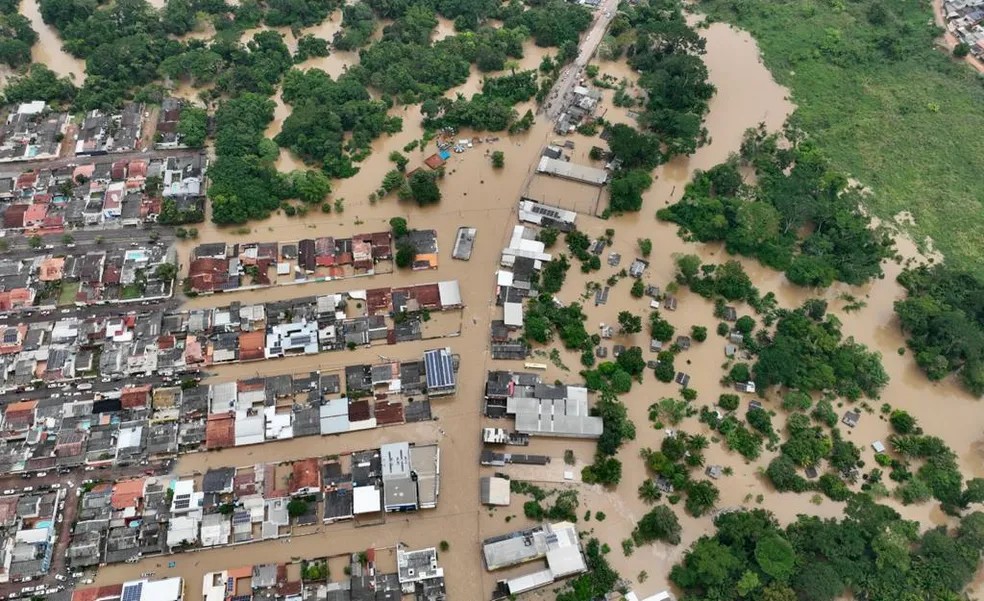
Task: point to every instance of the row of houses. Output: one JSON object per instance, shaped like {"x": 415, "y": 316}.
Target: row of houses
{"x": 125, "y": 520}
{"x": 519, "y": 267}
{"x": 87, "y": 276}
{"x": 159, "y": 342}
{"x": 101, "y": 133}
{"x": 308, "y": 579}
{"x": 218, "y": 267}
{"x": 28, "y": 533}
{"x": 143, "y": 589}
{"x": 135, "y": 423}
{"x": 965, "y": 20}
{"x": 101, "y": 192}
{"x": 32, "y": 131}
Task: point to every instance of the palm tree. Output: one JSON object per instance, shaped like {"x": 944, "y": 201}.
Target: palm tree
{"x": 906, "y": 445}
{"x": 648, "y": 492}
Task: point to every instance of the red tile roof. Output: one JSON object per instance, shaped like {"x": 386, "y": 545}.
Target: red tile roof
{"x": 220, "y": 431}
{"x": 14, "y": 216}
{"x": 251, "y": 345}
{"x": 388, "y": 413}
{"x": 98, "y": 592}
{"x": 127, "y": 493}
{"x": 305, "y": 474}
{"x": 135, "y": 396}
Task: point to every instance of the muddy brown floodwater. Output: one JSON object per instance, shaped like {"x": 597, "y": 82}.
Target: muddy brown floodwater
{"x": 48, "y": 49}
{"x": 477, "y": 195}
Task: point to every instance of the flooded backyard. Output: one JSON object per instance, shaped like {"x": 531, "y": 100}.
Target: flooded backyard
{"x": 475, "y": 194}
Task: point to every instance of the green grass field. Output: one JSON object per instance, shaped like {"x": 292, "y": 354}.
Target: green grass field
{"x": 67, "y": 294}
{"x": 885, "y": 105}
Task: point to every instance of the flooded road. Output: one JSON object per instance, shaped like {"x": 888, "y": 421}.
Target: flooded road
{"x": 48, "y": 49}
{"x": 475, "y": 194}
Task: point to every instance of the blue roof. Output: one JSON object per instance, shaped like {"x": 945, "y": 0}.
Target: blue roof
{"x": 439, "y": 369}
{"x": 133, "y": 592}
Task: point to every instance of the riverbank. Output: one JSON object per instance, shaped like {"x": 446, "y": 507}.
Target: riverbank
{"x": 899, "y": 115}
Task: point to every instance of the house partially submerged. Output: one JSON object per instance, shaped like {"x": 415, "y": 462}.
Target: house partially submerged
{"x": 558, "y": 544}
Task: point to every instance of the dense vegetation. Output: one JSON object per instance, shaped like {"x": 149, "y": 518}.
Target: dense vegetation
{"x": 660, "y": 45}
{"x": 358, "y": 24}
{"x": 808, "y": 353}
{"x": 331, "y": 120}
{"x": 668, "y": 52}
{"x": 16, "y": 36}
{"x": 244, "y": 182}
{"x": 40, "y": 83}
{"x": 943, "y": 316}
{"x": 598, "y": 581}
{"x": 795, "y": 191}
{"x": 881, "y": 100}
{"x": 618, "y": 428}
{"x": 491, "y": 110}
{"x": 871, "y": 552}
{"x": 233, "y": 67}
{"x": 405, "y": 65}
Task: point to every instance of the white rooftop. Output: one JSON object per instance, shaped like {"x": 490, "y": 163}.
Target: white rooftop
{"x": 366, "y": 499}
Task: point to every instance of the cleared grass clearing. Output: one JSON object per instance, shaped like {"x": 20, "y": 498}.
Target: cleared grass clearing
{"x": 885, "y": 105}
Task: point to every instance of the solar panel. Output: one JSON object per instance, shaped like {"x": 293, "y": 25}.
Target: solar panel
{"x": 133, "y": 592}
{"x": 240, "y": 518}
{"x": 10, "y": 336}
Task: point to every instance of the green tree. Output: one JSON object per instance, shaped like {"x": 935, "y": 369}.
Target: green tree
{"x": 776, "y": 557}
{"x": 498, "y": 159}
{"x": 629, "y": 323}
{"x": 193, "y": 126}
{"x": 423, "y": 186}
{"x": 405, "y": 255}
{"x": 297, "y": 507}
{"x": 400, "y": 160}
{"x": 310, "y": 186}
{"x": 748, "y": 584}
{"x": 659, "y": 328}
{"x": 659, "y": 524}
{"x": 398, "y": 225}
{"x": 701, "y": 497}
{"x": 393, "y": 180}
{"x": 626, "y": 188}
{"x": 166, "y": 271}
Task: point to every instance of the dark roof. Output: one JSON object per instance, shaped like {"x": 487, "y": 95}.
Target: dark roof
{"x": 218, "y": 480}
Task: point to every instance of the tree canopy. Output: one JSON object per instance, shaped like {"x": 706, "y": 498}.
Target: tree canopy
{"x": 800, "y": 217}
{"x": 244, "y": 183}
{"x": 811, "y": 355}
{"x": 943, "y": 317}
{"x": 871, "y": 552}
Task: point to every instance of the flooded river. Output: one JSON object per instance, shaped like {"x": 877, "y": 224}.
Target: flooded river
{"x": 48, "y": 49}
{"x": 475, "y": 194}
